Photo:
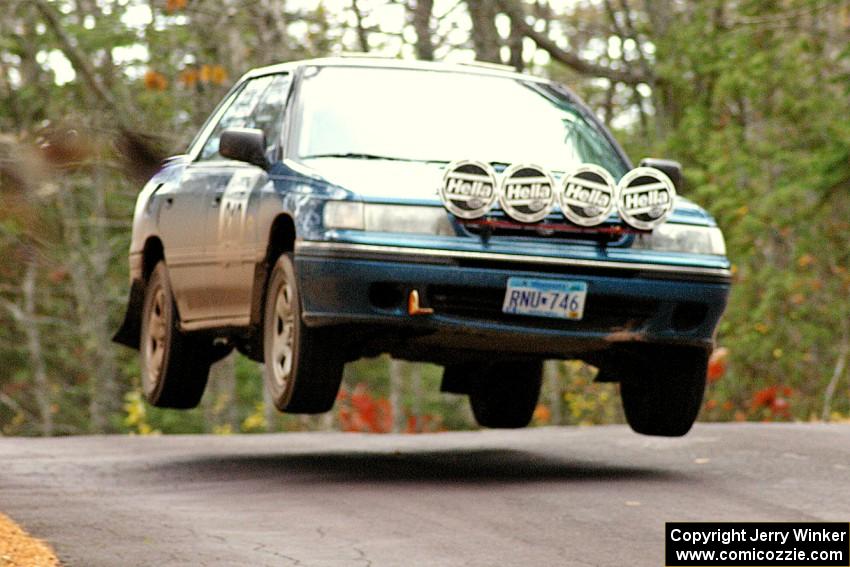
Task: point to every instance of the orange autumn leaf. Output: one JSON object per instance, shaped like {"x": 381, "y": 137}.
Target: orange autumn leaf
{"x": 384, "y": 418}
{"x": 366, "y": 413}
{"x": 218, "y": 75}
{"x": 155, "y": 81}
{"x": 172, "y": 6}
{"x": 717, "y": 364}
{"x": 58, "y": 275}
{"x": 774, "y": 399}
{"x": 206, "y": 73}
{"x": 542, "y": 414}
{"x": 764, "y": 397}
{"x": 805, "y": 260}
{"x": 188, "y": 77}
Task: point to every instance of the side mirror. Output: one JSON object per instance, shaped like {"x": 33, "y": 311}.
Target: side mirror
{"x": 673, "y": 169}
{"x": 244, "y": 144}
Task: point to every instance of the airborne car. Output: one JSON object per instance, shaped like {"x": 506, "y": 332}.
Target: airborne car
{"x": 463, "y": 215}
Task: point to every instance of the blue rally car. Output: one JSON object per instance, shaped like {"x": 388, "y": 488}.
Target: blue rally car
{"x": 463, "y": 215}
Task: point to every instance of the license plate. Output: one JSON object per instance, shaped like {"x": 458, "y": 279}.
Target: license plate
{"x": 560, "y": 299}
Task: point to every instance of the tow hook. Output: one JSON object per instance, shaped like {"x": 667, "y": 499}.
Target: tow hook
{"x": 413, "y": 307}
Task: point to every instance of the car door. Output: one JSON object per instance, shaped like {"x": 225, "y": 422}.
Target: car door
{"x": 233, "y": 190}
{"x": 235, "y": 233}
{"x": 180, "y": 218}
{"x": 186, "y": 210}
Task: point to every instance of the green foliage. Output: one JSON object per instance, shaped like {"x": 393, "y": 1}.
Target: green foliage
{"x": 765, "y": 141}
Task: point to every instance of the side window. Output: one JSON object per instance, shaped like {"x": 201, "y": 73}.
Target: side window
{"x": 268, "y": 115}
{"x": 259, "y": 105}
{"x": 237, "y": 114}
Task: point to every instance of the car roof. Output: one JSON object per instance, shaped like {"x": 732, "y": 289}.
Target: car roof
{"x": 365, "y": 60}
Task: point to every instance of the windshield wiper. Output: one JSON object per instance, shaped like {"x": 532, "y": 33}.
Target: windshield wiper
{"x": 358, "y": 155}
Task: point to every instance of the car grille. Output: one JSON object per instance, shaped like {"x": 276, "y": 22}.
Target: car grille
{"x": 553, "y": 227}
{"x": 600, "y": 313}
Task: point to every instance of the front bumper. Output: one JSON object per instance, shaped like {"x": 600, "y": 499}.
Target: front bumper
{"x": 368, "y": 287}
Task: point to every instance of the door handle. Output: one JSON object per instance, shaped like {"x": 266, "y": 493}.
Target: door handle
{"x": 168, "y": 202}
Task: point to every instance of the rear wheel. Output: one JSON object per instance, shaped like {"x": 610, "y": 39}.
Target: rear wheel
{"x": 303, "y": 365}
{"x": 665, "y": 400}
{"x": 503, "y": 395}
{"x": 174, "y": 365}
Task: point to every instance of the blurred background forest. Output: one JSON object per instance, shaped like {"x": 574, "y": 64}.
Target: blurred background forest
{"x": 752, "y": 96}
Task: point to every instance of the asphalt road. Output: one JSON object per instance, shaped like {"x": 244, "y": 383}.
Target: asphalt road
{"x": 543, "y": 497}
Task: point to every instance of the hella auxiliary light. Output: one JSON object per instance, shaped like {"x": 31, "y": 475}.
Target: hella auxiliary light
{"x": 586, "y": 195}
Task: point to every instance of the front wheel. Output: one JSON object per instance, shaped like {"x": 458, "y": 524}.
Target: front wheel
{"x": 303, "y": 365}
{"x": 174, "y": 365}
{"x": 666, "y": 397}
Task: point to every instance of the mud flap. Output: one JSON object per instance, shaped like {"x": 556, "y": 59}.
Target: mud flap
{"x": 130, "y": 332}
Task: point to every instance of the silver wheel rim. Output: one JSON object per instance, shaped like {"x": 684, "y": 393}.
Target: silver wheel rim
{"x": 283, "y": 335}
{"x": 155, "y": 345}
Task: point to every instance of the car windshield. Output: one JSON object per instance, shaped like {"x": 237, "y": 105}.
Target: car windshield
{"x": 403, "y": 114}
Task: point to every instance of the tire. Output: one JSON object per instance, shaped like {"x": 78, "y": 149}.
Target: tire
{"x": 504, "y": 395}
{"x": 666, "y": 399}
{"x": 303, "y": 366}
{"x": 174, "y": 366}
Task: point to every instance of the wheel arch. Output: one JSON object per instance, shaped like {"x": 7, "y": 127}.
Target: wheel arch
{"x": 281, "y": 239}
{"x": 129, "y": 334}
{"x": 152, "y": 252}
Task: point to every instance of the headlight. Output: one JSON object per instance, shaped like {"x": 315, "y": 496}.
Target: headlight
{"x": 683, "y": 238}
{"x": 401, "y": 218}
{"x": 387, "y": 218}
{"x": 344, "y": 214}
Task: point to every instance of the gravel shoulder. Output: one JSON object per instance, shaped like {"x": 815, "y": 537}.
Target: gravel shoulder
{"x": 19, "y": 549}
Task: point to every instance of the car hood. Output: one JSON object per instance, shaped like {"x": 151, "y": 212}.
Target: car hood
{"x": 382, "y": 180}
{"x": 387, "y": 181}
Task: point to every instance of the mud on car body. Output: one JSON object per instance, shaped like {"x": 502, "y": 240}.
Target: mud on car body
{"x": 462, "y": 215}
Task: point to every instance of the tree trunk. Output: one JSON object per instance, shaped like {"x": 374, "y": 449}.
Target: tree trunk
{"x": 838, "y": 371}
{"x": 397, "y": 394}
{"x": 608, "y": 108}
{"x": 269, "y": 411}
{"x": 362, "y": 34}
{"x": 422, "y": 11}
{"x": 415, "y": 382}
{"x": 515, "y": 44}
{"x": 87, "y": 267}
{"x": 220, "y": 398}
{"x": 42, "y": 386}
{"x": 552, "y": 378}
{"x": 26, "y": 318}
{"x": 485, "y": 36}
